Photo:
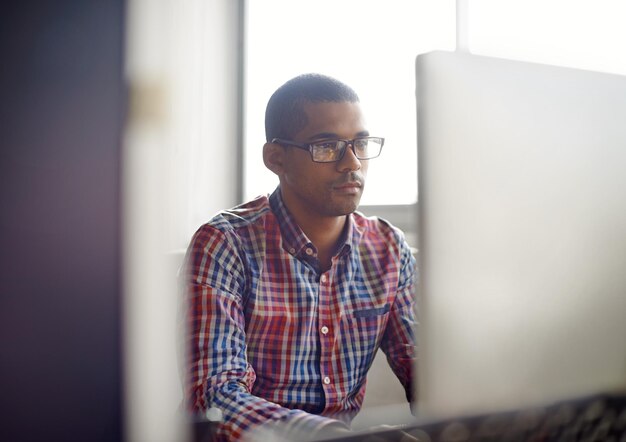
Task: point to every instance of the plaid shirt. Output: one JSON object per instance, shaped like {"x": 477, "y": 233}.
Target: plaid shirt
{"x": 274, "y": 341}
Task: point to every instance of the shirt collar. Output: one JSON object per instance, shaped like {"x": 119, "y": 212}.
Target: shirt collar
{"x": 294, "y": 239}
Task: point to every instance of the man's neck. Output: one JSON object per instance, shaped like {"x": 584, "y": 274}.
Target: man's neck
{"x": 324, "y": 233}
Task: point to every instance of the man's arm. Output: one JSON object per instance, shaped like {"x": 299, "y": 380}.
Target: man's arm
{"x": 399, "y": 339}
{"x": 219, "y": 374}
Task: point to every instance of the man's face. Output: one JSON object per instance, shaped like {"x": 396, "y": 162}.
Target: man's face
{"x": 325, "y": 189}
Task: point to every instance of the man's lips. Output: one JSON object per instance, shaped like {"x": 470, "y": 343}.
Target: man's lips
{"x": 349, "y": 185}
{"x": 349, "y": 188}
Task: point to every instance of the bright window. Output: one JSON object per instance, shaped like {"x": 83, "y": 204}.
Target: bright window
{"x": 371, "y": 45}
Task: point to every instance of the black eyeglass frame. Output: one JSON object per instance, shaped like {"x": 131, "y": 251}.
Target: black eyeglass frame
{"x": 309, "y": 147}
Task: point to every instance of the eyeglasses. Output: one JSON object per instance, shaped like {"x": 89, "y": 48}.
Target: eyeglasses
{"x": 329, "y": 151}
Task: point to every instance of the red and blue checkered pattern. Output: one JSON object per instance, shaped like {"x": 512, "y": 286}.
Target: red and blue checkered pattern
{"x": 273, "y": 340}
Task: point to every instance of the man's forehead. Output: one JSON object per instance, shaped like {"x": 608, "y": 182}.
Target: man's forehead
{"x": 340, "y": 119}
{"x": 332, "y": 110}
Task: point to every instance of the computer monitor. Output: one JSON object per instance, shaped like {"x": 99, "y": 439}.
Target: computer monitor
{"x": 522, "y": 233}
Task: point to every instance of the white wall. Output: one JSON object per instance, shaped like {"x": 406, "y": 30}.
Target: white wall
{"x": 178, "y": 169}
{"x": 204, "y": 75}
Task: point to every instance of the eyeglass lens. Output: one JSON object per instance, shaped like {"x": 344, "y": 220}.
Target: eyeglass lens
{"x": 328, "y": 151}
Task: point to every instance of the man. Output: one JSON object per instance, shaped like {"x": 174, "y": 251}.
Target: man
{"x": 291, "y": 295}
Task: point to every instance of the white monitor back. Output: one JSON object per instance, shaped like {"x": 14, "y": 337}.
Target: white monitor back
{"x": 522, "y": 226}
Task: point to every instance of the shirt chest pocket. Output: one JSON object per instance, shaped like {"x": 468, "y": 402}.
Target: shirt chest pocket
{"x": 370, "y": 312}
{"x": 362, "y": 331}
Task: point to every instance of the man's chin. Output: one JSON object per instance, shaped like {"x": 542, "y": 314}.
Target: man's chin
{"x": 345, "y": 207}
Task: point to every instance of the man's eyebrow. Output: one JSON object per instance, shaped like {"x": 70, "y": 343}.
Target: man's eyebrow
{"x": 334, "y": 136}
{"x": 324, "y": 136}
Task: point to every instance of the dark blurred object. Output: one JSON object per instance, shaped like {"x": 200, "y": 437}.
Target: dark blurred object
{"x": 593, "y": 418}
{"x": 61, "y": 118}
{"x": 205, "y": 425}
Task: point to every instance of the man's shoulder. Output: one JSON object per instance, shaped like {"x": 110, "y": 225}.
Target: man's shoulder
{"x": 241, "y": 216}
{"x": 250, "y": 216}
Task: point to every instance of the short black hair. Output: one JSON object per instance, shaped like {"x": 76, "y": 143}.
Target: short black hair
{"x": 284, "y": 116}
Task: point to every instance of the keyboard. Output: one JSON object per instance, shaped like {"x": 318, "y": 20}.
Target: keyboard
{"x": 591, "y": 418}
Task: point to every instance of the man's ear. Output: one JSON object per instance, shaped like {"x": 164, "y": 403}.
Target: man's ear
{"x": 274, "y": 157}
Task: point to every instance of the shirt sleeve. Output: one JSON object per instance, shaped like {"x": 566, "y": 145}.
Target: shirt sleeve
{"x": 398, "y": 342}
{"x": 218, "y": 373}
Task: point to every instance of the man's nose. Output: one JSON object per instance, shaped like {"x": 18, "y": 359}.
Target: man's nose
{"x": 349, "y": 162}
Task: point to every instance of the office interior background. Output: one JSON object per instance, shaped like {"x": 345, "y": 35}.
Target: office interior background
{"x": 127, "y": 124}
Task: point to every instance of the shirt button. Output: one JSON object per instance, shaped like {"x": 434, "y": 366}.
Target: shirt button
{"x": 292, "y": 250}
{"x": 323, "y": 278}
{"x": 327, "y": 380}
{"x": 324, "y": 330}
{"x": 309, "y": 251}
